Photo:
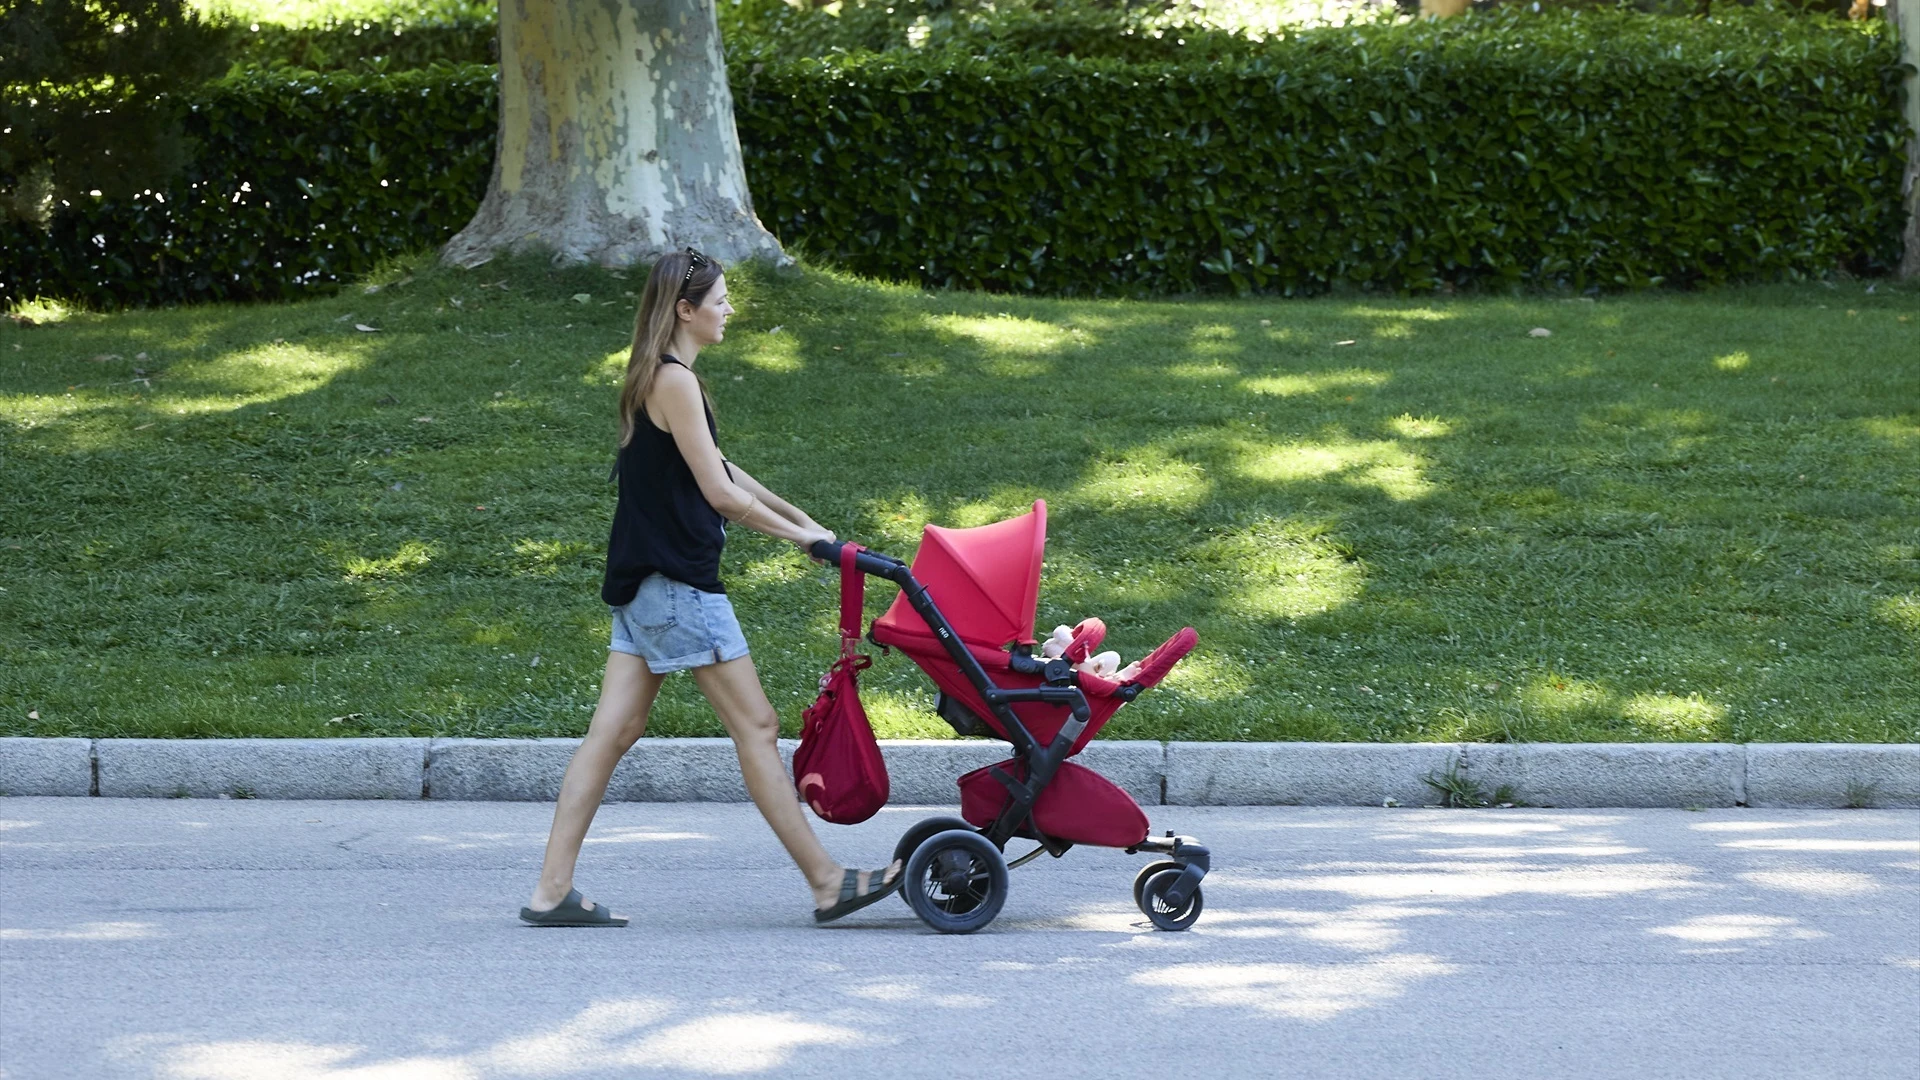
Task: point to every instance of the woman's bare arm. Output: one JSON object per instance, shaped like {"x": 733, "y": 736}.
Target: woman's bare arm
{"x": 768, "y": 498}
{"x": 676, "y": 393}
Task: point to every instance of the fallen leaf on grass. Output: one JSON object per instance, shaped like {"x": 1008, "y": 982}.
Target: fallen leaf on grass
{"x": 423, "y": 419}
{"x": 365, "y": 329}
{"x": 1349, "y": 341}
{"x": 582, "y": 297}
{"x": 33, "y": 714}
{"x": 144, "y": 426}
{"x": 140, "y": 356}
{"x": 479, "y": 508}
{"x": 1539, "y": 331}
{"x": 348, "y": 718}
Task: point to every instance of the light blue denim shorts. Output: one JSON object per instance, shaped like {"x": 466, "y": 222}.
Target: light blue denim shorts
{"x": 674, "y": 626}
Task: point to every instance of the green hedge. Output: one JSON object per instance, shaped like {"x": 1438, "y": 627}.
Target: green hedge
{"x": 391, "y": 44}
{"x": 1083, "y": 28}
{"x": 302, "y": 180}
{"x": 1599, "y": 149}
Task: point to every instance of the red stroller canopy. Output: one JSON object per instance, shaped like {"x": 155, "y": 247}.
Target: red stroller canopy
{"x": 986, "y": 581}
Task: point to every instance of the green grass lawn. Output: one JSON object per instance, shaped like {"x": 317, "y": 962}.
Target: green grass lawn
{"x": 1679, "y": 517}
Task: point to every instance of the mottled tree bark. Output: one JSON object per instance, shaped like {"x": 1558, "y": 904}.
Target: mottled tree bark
{"x": 1906, "y": 18}
{"x": 617, "y": 141}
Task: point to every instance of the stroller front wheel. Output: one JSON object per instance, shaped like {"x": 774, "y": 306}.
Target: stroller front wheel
{"x": 956, "y": 881}
{"x": 1145, "y": 875}
{"x": 1163, "y": 914}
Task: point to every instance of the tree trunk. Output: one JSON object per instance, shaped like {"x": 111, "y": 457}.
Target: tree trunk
{"x": 617, "y": 142}
{"x": 1906, "y": 19}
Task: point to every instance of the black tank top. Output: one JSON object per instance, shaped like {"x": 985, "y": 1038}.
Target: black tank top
{"x": 661, "y": 523}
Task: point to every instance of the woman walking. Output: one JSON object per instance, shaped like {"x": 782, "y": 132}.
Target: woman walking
{"x": 670, "y": 612}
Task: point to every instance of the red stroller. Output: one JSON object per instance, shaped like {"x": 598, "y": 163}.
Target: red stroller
{"x": 965, "y": 615}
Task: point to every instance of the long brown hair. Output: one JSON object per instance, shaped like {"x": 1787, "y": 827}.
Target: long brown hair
{"x": 654, "y": 324}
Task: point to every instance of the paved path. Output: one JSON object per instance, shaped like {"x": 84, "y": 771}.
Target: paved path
{"x": 213, "y": 940}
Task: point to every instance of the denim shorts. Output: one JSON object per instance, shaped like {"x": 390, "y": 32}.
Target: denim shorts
{"x": 674, "y": 626}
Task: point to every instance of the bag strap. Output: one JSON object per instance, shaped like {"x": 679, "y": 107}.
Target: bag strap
{"x": 853, "y": 598}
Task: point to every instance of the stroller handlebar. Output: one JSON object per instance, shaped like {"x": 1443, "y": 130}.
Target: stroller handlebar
{"x": 867, "y": 562}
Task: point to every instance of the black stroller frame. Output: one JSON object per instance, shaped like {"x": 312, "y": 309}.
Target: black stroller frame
{"x": 1171, "y": 901}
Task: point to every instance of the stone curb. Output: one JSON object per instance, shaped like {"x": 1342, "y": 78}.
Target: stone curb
{"x": 523, "y": 770}
{"x": 923, "y": 771}
{"x": 46, "y": 766}
{"x": 1304, "y": 774}
{"x": 260, "y": 768}
{"x": 1810, "y": 774}
{"x": 1611, "y": 774}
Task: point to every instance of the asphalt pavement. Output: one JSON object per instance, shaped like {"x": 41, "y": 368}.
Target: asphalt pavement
{"x": 219, "y": 940}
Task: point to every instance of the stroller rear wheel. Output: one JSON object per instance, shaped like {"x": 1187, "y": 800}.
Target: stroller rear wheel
{"x": 956, "y": 881}
{"x": 1163, "y": 914}
{"x": 913, "y": 837}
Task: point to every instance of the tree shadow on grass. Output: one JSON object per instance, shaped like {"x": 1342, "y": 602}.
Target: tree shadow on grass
{"x": 1389, "y": 520}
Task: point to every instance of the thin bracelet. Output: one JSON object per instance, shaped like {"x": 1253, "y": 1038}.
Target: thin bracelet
{"x": 752, "y": 501}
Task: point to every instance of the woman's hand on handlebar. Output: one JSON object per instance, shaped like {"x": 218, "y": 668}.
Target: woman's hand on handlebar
{"x": 805, "y": 543}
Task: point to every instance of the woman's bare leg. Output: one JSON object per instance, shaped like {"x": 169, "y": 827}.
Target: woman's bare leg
{"x": 626, "y": 694}
{"x": 733, "y": 688}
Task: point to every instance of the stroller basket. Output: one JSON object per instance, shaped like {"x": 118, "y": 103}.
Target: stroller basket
{"x": 965, "y": 615}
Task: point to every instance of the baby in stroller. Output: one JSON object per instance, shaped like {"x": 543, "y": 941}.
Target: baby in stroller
{"x": 965, "y": 615}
